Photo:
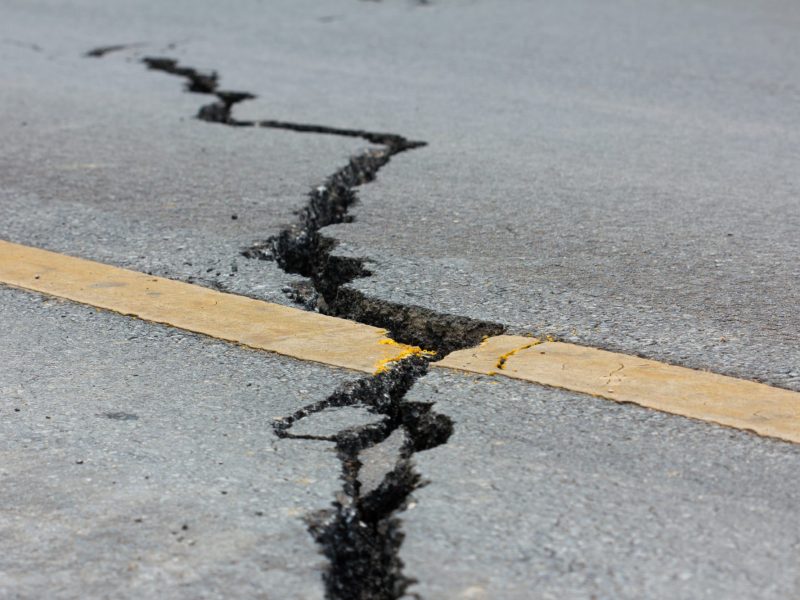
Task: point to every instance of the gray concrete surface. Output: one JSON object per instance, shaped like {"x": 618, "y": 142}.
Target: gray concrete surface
{"x": 621, "y": 174}
{"x": 616, "y": 174}
{"x": 542, "y": 493}
{"x": 104, "y": 160}
{"x": 137, "y": 461}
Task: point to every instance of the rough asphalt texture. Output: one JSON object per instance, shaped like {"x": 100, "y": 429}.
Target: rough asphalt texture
{"x": 107, "y": 162}
{"x": 545, "y": 494}
{"x": 618, "y": 174}
{"x": 139, "y": 461}
{"x": 614, "y": 174}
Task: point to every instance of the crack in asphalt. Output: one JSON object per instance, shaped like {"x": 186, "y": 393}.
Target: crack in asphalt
{"x": 302, "y": 249}
{"x": 361, "y": 534}
{"x": 101, "y": 51}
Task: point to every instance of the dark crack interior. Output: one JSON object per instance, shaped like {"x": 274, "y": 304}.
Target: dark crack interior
{"x": 101, "y": 51}
{"x": 302, "y": 249}
{"x": 361, "y": 534}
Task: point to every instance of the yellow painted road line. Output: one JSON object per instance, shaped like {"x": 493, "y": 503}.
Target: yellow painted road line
{"x": 701, "y": 395}
{"x": 253, "y": 323}
{"x": 310, "y": 336}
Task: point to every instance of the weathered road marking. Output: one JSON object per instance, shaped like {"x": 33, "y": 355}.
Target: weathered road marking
{"x": 701, "y": 395}
{"x": 253, "y": 323}
{"x": 332, "y": 341}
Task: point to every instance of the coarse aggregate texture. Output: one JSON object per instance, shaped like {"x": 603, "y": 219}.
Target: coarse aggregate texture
{"x": 331, "y": 421}
{"x": 106, "y": 161}
{"x": 139, "y": 461}
{"x": 380, "y": 459}
{"x": 615, "y": 174}
{"x": 541, "y": 493}
{"x": 612, "y": 175}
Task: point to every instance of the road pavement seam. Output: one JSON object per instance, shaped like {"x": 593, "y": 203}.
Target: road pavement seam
{"x": 361, "y": 537}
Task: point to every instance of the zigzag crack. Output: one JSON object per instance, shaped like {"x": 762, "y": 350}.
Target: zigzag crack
{"x": 361, "y": 534}
{"x": 302, "y": 249}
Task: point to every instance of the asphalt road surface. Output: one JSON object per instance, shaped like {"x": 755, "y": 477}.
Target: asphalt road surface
{"x": 622, "y": 175}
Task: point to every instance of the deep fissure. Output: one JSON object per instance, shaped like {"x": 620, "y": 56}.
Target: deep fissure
{"x": 302, "y": 249}
{"x": 361, "y": 534}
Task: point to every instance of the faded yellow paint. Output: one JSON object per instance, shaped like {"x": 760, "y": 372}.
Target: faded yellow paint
{"x": 253, "y": 323}
{"x": 484, "y": 358}
{"x": 725, "y": 400}
{"x": 309, "y": 336}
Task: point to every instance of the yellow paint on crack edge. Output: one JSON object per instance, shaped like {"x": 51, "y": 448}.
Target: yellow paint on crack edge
{"x": 404, "y": 351}
{"x": 729, "y": 401}
{"x": 246, "y": 321}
